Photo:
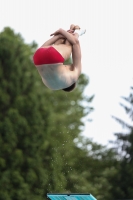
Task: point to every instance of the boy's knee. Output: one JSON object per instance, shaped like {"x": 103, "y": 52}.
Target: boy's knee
{"x": 76, "y": 41}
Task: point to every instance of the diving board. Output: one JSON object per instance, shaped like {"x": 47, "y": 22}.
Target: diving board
{"x": 71, "y": 196}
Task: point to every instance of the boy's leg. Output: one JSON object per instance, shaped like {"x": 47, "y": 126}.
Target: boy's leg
{"x": 76, "y": 53}
{"x": 72, "y": 27}
{"x": 52, "y": 40}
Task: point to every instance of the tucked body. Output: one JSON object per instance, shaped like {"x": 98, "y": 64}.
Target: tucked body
{"x": 49, "y": 59}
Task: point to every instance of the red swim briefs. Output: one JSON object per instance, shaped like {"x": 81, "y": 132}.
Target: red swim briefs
{"x": 47, "y": 56}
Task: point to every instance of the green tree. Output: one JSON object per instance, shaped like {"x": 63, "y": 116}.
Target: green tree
{"x": 123, "y": 179}
{"x": 37, "y": 126}
{"x": 21, "y": 125}
{"x": 90, "y": 168}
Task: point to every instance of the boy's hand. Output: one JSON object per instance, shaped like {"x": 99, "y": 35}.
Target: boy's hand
{"x": 70, "y": 31}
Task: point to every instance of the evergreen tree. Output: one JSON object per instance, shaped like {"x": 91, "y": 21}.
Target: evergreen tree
{"x": 123, "y": 179}
{"x": 91, "y": 168}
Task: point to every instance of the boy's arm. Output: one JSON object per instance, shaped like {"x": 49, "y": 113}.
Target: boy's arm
{"x": 67, "y": 35}
{"x": 52, "y": 40}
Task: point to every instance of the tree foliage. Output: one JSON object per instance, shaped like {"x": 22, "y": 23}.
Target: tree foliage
{"x": 41, "y": 148}
{"x": 34, "y": 124}
{"x": 123, "y": 179}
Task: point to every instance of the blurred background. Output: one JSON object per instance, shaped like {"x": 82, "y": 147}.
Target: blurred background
{"x": 52, "y": 141}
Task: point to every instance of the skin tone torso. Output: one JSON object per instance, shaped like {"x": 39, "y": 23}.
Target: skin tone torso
{"x": 58, "y": 76}
{"x": 54, "y": 76}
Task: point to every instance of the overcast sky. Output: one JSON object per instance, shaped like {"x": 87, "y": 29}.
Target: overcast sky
{"x": 107, "y": 48}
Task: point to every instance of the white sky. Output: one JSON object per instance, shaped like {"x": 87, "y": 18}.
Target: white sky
{"x": 107, "y": 48}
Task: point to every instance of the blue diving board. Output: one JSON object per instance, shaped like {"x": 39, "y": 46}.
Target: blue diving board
{"x": 71, "y": 196}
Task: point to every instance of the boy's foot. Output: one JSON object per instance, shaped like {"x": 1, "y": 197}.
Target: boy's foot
{"x": 80, "y": 31}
